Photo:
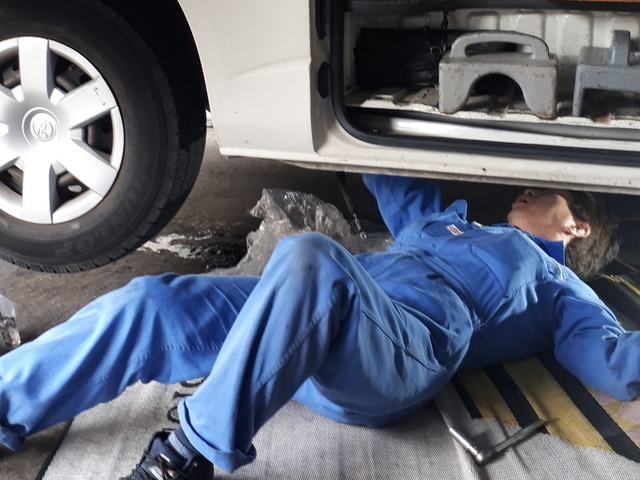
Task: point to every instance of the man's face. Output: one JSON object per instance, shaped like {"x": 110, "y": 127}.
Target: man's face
{"x": 546, "y": 213}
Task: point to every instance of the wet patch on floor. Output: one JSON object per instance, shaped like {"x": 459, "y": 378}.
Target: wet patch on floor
{"x": 216, "y": 250}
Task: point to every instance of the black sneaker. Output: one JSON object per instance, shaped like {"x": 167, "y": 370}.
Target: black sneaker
{"x": 161, "y": 462}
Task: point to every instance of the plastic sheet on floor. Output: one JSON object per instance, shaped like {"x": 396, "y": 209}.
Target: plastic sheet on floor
{"x": 285, "y": 213}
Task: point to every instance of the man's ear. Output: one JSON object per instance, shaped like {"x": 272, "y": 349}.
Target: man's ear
{"x": 580, "y": 229}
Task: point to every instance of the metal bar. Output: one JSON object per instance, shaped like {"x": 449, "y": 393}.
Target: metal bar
{"x": 481, "y": 457}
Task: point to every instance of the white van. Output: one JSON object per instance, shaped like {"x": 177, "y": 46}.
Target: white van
{"x": 102, "y": 102}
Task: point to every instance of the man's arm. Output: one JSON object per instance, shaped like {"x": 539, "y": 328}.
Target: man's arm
{"x": 596, "y": 349}
{"x": 402, "y": 200}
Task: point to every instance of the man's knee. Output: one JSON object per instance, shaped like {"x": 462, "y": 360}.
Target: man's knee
{"x": 149, "y": 281}
{"x": 307, "y": 245}
{"x": 133, "y": 302}
{"x": 146, "y": 287}
{"x": 306, "y": 252}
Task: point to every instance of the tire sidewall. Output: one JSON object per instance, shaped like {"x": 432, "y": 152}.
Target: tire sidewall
{"x": 143, "y": 98}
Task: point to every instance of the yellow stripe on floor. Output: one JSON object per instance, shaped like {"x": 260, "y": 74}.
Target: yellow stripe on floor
{"x": 551, "y": 403}
{"x": 486, "y": 397}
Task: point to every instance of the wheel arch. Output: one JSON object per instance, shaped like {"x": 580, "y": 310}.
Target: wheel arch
{"x": 170, "y": 38}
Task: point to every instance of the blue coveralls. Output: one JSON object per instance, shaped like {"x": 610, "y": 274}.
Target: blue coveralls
{"x": 363, "y": 339}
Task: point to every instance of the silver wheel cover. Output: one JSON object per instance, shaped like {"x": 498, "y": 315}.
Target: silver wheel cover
{"x": 61, "y": 132}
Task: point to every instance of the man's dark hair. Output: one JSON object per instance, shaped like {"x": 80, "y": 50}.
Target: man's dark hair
{"x": 588, "y": 256}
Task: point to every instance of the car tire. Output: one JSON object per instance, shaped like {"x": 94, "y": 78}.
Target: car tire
{"x": 96, "y": 152}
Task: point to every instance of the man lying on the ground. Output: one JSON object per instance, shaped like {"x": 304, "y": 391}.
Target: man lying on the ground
{"x": 363, "y": 339}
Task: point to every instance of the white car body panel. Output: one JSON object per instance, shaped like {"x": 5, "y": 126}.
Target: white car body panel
{"x": 257, "y": 73}
{"x": 260, "y": 61}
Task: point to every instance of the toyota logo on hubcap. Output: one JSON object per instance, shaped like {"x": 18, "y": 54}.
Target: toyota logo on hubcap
{"x": 44, "y": 127}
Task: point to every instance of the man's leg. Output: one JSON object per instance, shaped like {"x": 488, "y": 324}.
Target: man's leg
{"x": 315, "y": 308}
{"x": 167, "y": 328}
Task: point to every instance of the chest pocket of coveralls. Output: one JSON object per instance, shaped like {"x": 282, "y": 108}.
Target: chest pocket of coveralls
{"x": 496, "y": 264}
{"x": 512, "y": 260}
